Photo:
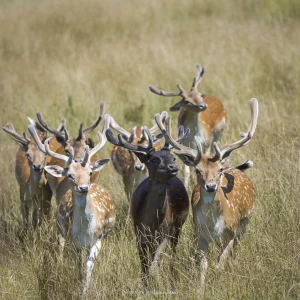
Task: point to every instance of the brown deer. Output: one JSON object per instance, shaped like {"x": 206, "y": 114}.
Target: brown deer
{"x": 78, "y": 144}
{"x": 86, "y": 213}
{"x": 223, "y": 198}
{"x": 204, "y": 115}
{"x": 125, "y": 162}
{"x": 29, "y": 171}
{"x": 160, "y": 204}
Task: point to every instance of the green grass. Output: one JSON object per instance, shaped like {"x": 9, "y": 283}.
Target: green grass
{"x": 63, "y": 57}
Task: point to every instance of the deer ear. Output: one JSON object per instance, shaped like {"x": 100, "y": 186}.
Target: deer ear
{"x": 177, "y": 106}
{"x": 186, "y": 159}
{"x": 55, "y": 171}
{"x": 90, "y": 143}
{"x": 99, "y": 164}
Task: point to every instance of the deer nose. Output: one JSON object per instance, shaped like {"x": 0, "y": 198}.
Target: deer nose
{"x": 36, "y": 167}
{"x": 210, "y": 187}
{"x": 203, "y": 106}
{"x": 139, "y": 167}
{"x": 83, "y": 188}
{"x": 173, "y": 168}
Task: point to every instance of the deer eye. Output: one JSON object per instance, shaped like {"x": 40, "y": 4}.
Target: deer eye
{"x": 28, "y": 155}
{"x": 198, "y": 172}
{"x": 70, "y": 176}
{"x": 91, "y": 173}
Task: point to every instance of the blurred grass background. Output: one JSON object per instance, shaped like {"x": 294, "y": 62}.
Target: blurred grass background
{"x": 63, "y": 57}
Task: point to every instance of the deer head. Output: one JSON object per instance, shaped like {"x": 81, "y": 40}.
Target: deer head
{"x": 191, "y": 100}
{"x": 79, "y": 172}
{"x": 78, "y": 144}
{"x": 160, "y": 164}
{"x": 35, "y": 157}
{"x": 209, "y": 168}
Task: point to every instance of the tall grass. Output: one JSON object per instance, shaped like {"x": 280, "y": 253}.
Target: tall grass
{"x": 63, "y": 57}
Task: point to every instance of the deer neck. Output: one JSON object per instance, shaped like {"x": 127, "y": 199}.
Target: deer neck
{"x": 83, "y": 219}
{"x": 81, "y": 209}
{"x": 36, "y": 180}
{"x": 156, "y": 202}
{"x": 192, "y": 122}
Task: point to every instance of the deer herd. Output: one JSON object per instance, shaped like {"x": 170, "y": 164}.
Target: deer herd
{"x": 51, "y": 164}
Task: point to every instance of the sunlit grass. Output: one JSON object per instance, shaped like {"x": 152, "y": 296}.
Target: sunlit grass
{"x": 63, "y": 57}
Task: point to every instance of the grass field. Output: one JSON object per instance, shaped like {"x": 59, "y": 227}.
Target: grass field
{"x": 63, "y": 57}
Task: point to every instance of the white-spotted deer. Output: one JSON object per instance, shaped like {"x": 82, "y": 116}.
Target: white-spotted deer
{"x": 66, "y": 142}
{"x": 223, "y": 198}
{"x": 30, "y": 175}
{"x": 86, "y": 213}
{"x": 125, "y": 162}
{"x": 160, "y": 204}
{"x": 204, "y": 115}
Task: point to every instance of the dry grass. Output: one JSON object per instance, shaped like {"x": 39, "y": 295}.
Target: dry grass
{"x": 64, "y": 57}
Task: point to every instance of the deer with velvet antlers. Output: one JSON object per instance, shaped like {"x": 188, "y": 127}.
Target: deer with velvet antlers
{"x": 29, "y": 171}
{"x": 204, "y": 115}
{"x": 86, "y": 213}
{"x": 66, "y": 143}
{"x": 223, "y": 198}
{"x": 125, "y": 162}
{"x": 160, "y": 204}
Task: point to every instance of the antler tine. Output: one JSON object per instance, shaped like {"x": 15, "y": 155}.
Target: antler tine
{"x": 182, "y": 135}
{"x": 197, "y": 79}
{"x": 102, "y": 136}
{"x": 166, "y": 133}
{"x": 61, "y": 125}
{"x": 62, "y": 157}
{"x": 226, "y": 150}
{"x": 26, "y": 138}
{"x": 166, "y": 94}
{"x": 33, "y": 133}
{"x": 10, "y": 129}
{"x": 118, "y": 128}
{"x": 163, "y": 115}
{"x": 49, "y": 128}
{"x": 80, "y": 133}
{"x": 95, "y": 124}
{"x": 86, "y": 156}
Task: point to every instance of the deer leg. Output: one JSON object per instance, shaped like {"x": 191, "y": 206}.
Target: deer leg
{"x": 225, "y": 252}
{"x": 92, "y": 255}
{"x": 62, "y": 242}
{"x": 35, "y": 213}
{"x": 186, "y": 176}
{"x": 24, "y": 207}
{"x": 78, "y": 259}
{"x": 157, "y": 255}
{"x": 203, "y": 247}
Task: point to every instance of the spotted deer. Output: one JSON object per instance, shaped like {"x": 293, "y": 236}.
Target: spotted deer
{"x": 125, "y": 162}
{"x": 204, "y": 115}
{"x": 86, "y": 213}
{"x": 66, "y": 142}
{"x": 29, "y": 171}
{"x": 160, "y": 204}
{"x": 223, "y": 198}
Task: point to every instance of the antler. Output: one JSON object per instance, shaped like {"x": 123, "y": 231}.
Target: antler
{"x": 197, "y": 79}
{"x": 246, "y": 137}
{"x": 117, "y": 127}
{"x": 95, "y": 124}
{"x": 166, "y": 94}
{"x": 102, "y": 136}
{"x": 33, "y": 133}
{"x": 56, "y": 132}
{"x": 64, "y": 158}
{"x": 18, "y": 138}
{"x": 123, "y": 143}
